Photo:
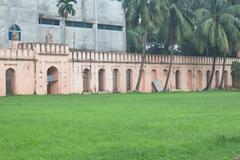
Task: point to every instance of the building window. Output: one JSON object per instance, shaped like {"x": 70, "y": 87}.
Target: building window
{"x": 117, "y": 0}
{"x": 79, "y": 24}
{"x": 49, "y": 21}
{"x": 14, "y": 29}
{"x": 110, "y": 27}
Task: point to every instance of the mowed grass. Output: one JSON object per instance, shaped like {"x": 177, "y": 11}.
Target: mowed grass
{"x": 170, "y": 126}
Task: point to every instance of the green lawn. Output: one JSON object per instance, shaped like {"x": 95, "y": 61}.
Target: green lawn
{"x": 170, "y": 126}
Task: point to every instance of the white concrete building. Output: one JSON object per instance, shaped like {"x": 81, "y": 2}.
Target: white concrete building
{"x": 99, "y": 25}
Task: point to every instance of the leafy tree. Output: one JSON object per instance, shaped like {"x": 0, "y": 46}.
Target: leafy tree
{"x": 236, "y": 74}
{"x": 180, "y": 29}
{"x": 214, "y": 23}
{"x": 65, "y": 8}
{"x": 232, "y": 28}
{"x": 143, "y": 17}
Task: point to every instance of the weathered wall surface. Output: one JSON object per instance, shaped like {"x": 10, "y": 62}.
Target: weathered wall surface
{"x": 22, "y": 62}
{"x": 26, "y": 14}
{"x": 31, "y": 63}
{"x": 193, "y": 71}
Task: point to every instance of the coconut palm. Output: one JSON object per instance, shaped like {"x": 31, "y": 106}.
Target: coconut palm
{"x": 143, "y": 17}
{"x": 180, "y": 30}
{"x": 233, "y": 36}
{"x": 214, "y": 23}
{"x": 65, "y": 8}
{"x": 232, "y": 28}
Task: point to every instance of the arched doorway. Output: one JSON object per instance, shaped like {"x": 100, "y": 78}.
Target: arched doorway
{"x": 143, "y": 82}
{"x": 10, "y": 82}
{"x": 165, "y": 72}
{"x": 189, "y": 80}
{"x": 233, "y": 80}
{"x": 178, "y": 79}
{"x": 116, "y": 78}
{"x": 226, "y": 79}
{"x": 129, "y": 80}
{"x": 86, "y": 80}
{"x": 208, "y": 76}
{"x": 154, "y": 75}
{"x": 101, "y": 80}
{"x": 52, "y": 81}
{"x": 153, "y": 78}
{"x": 199, "y": 80}
{"x": 217, "y": 79}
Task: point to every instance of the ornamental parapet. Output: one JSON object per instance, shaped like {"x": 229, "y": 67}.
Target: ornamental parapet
{"x": 111, "y": 57}
{"x": 17, "y": 54}
{"x": 46, "y": 48}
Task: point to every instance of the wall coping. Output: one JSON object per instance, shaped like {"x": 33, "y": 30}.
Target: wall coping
{"x": 30, "y": 50}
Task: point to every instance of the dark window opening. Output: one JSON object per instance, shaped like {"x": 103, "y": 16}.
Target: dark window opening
{"x": 49, "y": 21}
{"x": 79, "y": 24}
{"x": 110, "y": 27}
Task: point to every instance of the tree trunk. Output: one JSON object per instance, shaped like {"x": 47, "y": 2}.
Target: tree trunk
{"x": 169, "y": 71}
{"x": 64, "y": 30}
{"x": 223, "y": 72}
{"x": 145, "y": 36}
{"x": 171, "y": 44}
{"x": 209, "y": 83}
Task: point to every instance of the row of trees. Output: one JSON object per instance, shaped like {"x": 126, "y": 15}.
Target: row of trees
{"x": 207, "y": 27}
{"x": 204, "y": 26}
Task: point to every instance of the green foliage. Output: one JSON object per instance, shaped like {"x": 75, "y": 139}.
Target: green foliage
{"x": 143, "y": 15}
{"x": 65, "y": 7}
{"x": 217, "y": 27}
{"x": 170, "y": 126}
{"x": 216, "y": 24}
{"x": 134, "y": 37}
{"x": 236, "y": 70}
{"x": 179, "y": 26}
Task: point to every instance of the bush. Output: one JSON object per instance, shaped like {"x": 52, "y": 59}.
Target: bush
{"x": 236, "y": 74}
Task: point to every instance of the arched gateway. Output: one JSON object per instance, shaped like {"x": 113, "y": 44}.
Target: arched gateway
{"x": 189, "y": 80}
{"x": 10, "y": 82}
{"x": 52, "y": 81}
{"x": 199, "y": 80}
{"x": 101, "y": 80}
{"x": 116, "y": 80}
{"x": 178, "y": 80}
{"x": 86, "y": 80}
{"x": 129, "y": 80}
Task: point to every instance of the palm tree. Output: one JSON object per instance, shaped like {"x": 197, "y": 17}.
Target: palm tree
{"x": 211, "y": 29}
{"x": 232, "y": 28}
{"x": 143, "y": 17}
{"x": 65, "y": 7}
{"x": 180, "y": 30}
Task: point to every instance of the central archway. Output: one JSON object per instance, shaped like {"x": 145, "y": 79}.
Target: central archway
{"x": 226, "y": 79}
{"x": 52, "y": 81}
{"x": 101, "y": 80}
{"x": 189, "y": 80}
{"x": 143, "y": 87}
{"x": 153, "y": 78}
{"x": 165, "y": 73}
{"x": 116, "y": 78}
{"x": 86, "y": 80}
{"x": 178, "y": 79}
{"x": 217, "y": 79}
{"x": 10, "y": 82}
{"x": 129, "y": 80}
{"x": 199, "y": 80}
{"x": 208, "y": 76}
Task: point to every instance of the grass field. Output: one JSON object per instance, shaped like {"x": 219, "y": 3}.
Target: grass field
{"x": 170, "y": 126}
